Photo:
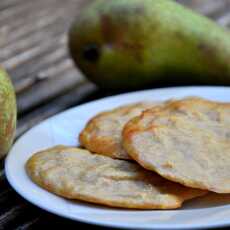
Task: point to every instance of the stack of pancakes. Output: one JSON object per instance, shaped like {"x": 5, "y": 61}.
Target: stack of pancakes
{"x": 144, "y": 156}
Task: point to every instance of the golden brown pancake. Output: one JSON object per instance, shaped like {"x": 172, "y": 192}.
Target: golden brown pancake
{"x": 102, "y": 134}
{"x": 77, "y": 174}
{"x": 186, "y": 141}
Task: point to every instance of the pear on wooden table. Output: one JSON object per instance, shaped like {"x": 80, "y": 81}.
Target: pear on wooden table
{"x": 8, "y": 113}
{"x": 132, "y": 44}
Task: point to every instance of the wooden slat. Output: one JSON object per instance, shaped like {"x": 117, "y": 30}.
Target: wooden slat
{"x": 25, "y": 26}
{"x": 224, "y": 19}
{"x": 51, "y": 57}
{"x": 21, "y": 9}
{"x": 73, "y": 97}
{"x": 18, "y": 215}
{"x": 5, "y": 4}
{"x": 28, "y": 224}
{"x": 35, "y": 41}
{"x": 46, "y": 90}
{"x": 211, "y": 8}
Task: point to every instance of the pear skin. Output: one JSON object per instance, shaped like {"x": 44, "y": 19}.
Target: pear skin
{"x": 8, "y": 113}
{"x": 129, "y": 44}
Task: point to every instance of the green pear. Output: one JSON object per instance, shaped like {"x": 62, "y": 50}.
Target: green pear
{"x": 124, "y": 44}
{"x": 8, "y": 113}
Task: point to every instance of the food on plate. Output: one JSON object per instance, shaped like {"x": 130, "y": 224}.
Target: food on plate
{"x": 8, "y": 112}
{"x": 77, "y": 174}
{"x": 133, "y": 44}
{"x": 102, "y": 134}
{"x": 186, "y": 141}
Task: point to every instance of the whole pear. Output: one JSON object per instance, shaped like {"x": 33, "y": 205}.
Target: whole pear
{"x": 138, "y": 43}
{"x": 8, "y": 113}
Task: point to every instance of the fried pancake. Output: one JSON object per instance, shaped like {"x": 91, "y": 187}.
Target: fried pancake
{"x": 186, "y": 141}
{"x": 102, "y": 134}
{"x": 77, "y": 174}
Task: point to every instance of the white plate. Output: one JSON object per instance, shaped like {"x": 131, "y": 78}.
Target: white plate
{"x": 209, "y": 211}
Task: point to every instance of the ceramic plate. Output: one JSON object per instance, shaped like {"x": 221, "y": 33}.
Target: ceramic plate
{"x": 210, "y": 211}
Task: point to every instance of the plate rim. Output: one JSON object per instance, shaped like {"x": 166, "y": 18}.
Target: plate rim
{"x": 105, "y": 223}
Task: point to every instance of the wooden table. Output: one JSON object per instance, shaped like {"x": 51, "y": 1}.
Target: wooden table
{"x": 33, "y": 50}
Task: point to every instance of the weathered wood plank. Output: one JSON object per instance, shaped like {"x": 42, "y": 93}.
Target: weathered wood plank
{"x": 71, "y": 98}
{"x": 51, "y": 57}
{"x": 46, "y": 90}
